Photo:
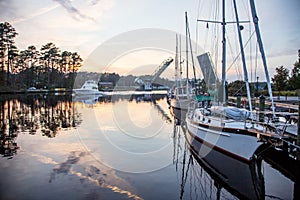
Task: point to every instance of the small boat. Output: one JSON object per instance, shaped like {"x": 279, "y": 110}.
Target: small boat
{"x": 88, "y": 88}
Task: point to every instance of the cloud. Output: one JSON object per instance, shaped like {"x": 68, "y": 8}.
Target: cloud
{"x": 15, "y": 12}
{"x": 35, "y": 14}
{"x": 94, "y": 2}
{"x": 77, "y": 14}
{"x": 42, "y": 21}
{"x": 6, "y": 8}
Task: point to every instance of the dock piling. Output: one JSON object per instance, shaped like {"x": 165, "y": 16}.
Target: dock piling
{"x": 262, "y": 104}
{"x": 238, "y": 100}
{"x": 298, "y": 133}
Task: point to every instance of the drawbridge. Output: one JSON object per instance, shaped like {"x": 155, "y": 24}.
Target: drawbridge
{"x": 148, "y": 84}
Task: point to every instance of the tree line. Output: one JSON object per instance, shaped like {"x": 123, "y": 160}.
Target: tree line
{"x": 283, "y": 80}
{"x": 286, "y": 80}
{"x": 47, "y": 67}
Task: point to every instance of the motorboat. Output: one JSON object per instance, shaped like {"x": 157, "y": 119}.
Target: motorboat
{"x": 90, "y": 87}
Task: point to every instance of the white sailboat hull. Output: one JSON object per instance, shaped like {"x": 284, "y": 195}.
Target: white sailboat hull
{"x": 179, "y": 107}
{"x": 239, "y": 145}
{"x": 242, "y": 179}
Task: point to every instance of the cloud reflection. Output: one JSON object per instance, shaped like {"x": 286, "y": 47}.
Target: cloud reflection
{"x": 96, "y": 175}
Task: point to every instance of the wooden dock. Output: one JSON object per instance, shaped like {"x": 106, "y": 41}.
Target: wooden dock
{"x": 290, "y": 106}
{"x": 284, "y": 136}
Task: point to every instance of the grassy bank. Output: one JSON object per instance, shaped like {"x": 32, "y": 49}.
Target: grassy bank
{"x": 281, "y": 93}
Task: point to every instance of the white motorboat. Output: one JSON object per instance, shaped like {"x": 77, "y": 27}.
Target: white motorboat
{"x": 90, "y": 87}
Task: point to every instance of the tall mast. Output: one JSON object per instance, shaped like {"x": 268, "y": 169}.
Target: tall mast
{"x": 262, "y": 52}
{"x": 176, "y": 63}
{"x": 187, "y": 53}
{"x": 191, "y": 50}
{"x": 180, "y": 66}
{"x": 224, "y": 99}
{"x": 243, "y": 56}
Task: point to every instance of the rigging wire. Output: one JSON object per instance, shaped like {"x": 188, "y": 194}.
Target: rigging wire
{"x": 256, "y": 59}
{"x": 216, "y": 35}
{"x": 240, "y": 52}
{"x": 247, "y": 8}
{"x": 234, "y": 59}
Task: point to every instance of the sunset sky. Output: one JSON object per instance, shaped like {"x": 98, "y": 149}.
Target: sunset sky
{"x": 84, "y": 25}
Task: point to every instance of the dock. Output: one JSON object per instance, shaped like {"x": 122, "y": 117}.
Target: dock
{"x": 286, "y": 134}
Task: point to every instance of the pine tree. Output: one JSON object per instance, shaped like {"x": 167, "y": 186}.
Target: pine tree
{"x": 280, "y": 79}
{"x": 7, "y": 35}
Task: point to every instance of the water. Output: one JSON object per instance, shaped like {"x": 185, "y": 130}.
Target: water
{"x": 118, "y": 147}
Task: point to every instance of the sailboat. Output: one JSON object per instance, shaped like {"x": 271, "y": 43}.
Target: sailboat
{"x": 242, "y": 180}
{"x": 180, "y": 98}
{"x": 229, "y": 130}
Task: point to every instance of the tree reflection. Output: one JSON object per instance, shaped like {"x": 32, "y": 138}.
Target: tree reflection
{"x": 31, "y": 114}
{"x": 49, "y": 115}
{"x": 8, "y": 129}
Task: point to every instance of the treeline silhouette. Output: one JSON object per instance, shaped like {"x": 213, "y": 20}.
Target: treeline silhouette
{"x": 47, "y": 67}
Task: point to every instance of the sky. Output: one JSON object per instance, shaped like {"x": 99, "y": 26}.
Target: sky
{"x": 85, "y": 26}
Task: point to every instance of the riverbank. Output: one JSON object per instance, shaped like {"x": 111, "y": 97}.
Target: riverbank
{"x": 31, "y": 91}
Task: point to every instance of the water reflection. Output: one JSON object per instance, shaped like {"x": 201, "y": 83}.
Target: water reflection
{"x": 272, "y": 175}
{"x": 64, "y": 166}
{"x": 8, "y": 129}
{"x": 30, "y": 113}
{"x": 53, "y": 114}
{"x": 218, "y": 176}
{"x": 137, "y": 97}
{"x": 131, "y": 127}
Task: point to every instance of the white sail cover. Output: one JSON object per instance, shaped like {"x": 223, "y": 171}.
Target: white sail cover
{"x": 231, "y": 112}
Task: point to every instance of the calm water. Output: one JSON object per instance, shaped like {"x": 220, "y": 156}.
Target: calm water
{"x": 118, "y": 147}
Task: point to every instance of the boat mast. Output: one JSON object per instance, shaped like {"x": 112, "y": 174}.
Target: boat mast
{"x": 176, "y": 63}
{"x": 191, "y": 49}
{"x": 262, "y": 52}
{"x": 187, "y": 54}
{"x": 224, "y": 99}
{"x": 180, "y": 66}
{"x": 243, "y": 56}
